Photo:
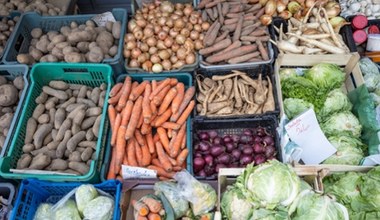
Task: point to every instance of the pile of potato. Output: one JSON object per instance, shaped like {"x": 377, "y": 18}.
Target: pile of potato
{"x": 42, "y": 7}
{"x": 73, "y": 44}
{"x": 63, "y": 131}
{"x": 10, "y": 93}
{"x": 6, "y": 28}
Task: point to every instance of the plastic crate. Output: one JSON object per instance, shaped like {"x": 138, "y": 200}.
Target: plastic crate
{"x": 10, "y": 72}
{"x": 253, "y": 72}
{"x": 7, "y": 191}
{"x": 235, "y": 126}
{"x": 186, "y": 79}
{"x": 41, "y": 74}
{"x": 20, "y": 40}
{"x": 11, "y": 16}
{"x": 34, "y": 192}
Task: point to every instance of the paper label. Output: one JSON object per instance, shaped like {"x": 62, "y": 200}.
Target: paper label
{"x": 101, "y": 19}
{"x": 129, "y": 172}
{"x": 372, "y": 160}
{"x": 304, "y": 130}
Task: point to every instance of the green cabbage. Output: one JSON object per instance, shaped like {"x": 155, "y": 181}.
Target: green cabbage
{"x": 264, "y": 214}
{"x": 342, "y": 123}
{"x": 344, "y": 186}
{"x": 294, "y": 107}
{"x": 368, "y": 67}
{"x": 349, "y": 151}
{"x": 376, "y": 98}
{"x": 336, "y": 101}
{"x": 43, "y": 212}
{"x": 234, "y": 205}
{"x": 100, "y": 208}
{"x": 326, "y": 76}
{"x": 371, "y": 81}
{"x": 285, "y": 73}
{"x": 68, "y": 211}
{"x": 270, "y": 184}
{"x": 84, "y": 194}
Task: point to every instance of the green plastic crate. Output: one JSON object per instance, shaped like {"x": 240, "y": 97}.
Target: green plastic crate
{"x": 187, "y": 80}
{"x": 41, "y": 74}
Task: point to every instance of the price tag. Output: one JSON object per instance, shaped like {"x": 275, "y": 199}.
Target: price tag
{"x": 129, "y": 172}
{"x": 101, "y": 19}
{"x": 304, "y": 130}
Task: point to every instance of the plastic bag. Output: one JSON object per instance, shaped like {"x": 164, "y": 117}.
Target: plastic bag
{"x": 169, "y": 189}
{"x": 100, "y": 208}
{"x": 43, "y": 212}
{"x": 84, "y": 194}
{"x": 202, "y": 197}
{"x": 68, "y": 211}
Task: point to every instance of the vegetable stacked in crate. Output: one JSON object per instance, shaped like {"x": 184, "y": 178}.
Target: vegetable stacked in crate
{"x": 150, "y": 124}
{"x": 44, "y": 7}
{"x": 7, "y": 25}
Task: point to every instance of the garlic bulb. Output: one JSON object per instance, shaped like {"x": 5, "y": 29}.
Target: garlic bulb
{"x": 355, "y": 7}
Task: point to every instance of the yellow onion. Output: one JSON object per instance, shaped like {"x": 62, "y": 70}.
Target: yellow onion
{"x": 166, "y": 6}
{"x": 332, "y": 9}
{"x": 280, "y": 6}
{"x": 285, "y": 14}
{"x": 294, "y": 7}
{"x": 337, "y": 23}
{"x": 266, "y": 19}
{"x": 132, "y": 25}
{"x": 147, "y": 66}
{"x": 263, "y": 2}
{"x": 309, "y": 3}
{"x": 270, "y": 7}
{"x": 157, "y": 68}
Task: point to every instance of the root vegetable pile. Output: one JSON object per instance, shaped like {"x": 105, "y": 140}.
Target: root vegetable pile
{"x": 63, "y": 131}
{"x": 164, "y": 37}
{"x": 234, "y": 94}
{"x": 10, "y": 92}
{"x": 73, "y": 44}
{"x": 313, "y": 35}
{"x": 236, "y": 34}
{"x": 6, "y": 28}
{"x": 148, "y": 122}
{"x": 213, "y": 151}
{"x": 148, "y": 207}
{"x": 43, "y": 7}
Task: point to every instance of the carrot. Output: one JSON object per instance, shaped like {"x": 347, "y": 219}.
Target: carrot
{"x": 153, "y": 109}
{"x": 114, "y": 100}
{"x": 222, "y": 36}
{"x": 135, "y": 116}
{"x": 170, "y": 132}
{"x": 183, "y": 143}
{"x": 163, "y": 118}
{"x": 126, "y": 113}
{"x": 179, "y": 97}
{"x": 153, "y": 205}
{"x": 154, "y": 85}
{"x": 120, "y": 148}
{"x": 182, "y": 156}
{"x": 156, "y": 137}
{"x": 237, "y": 32}
{"x": 234, "y": 45}
{"x": 157, "y": 100}
{"x": 163, "y": 157}
{"x": 173, "y": 161}
{"x": 139, "y": 154}
{"x": 139, "y": 217}
{"x": 243, "y": 58}
{"x": 139, "y": 138}
{"x": 232, "y": 53}
{"x": 154, "y": 216}
{"x": 177, "y": 168}
{"x": 141, "y": 120}
{"x": 125, "y": 160}
{"x": 115, "y": 128}
{"x": 146, "y": 157}
{"x": 161, "y": 178}
{"x": 173, "y": 81}
{"x": 186, "y": 100}
{"x": 140, "y": 207}
{"x": 150, "y": 143}
{"x": 216, "y": 47}
{"x": 167, "y": 100}
{"x": 210, "y": 38}
{"x": 263, "y": 51}
{"x": 186, "y": 113}
{"x": 156, "y": 162}
{"x": 115, "y": 89}
{"x": 112, "y": 115}
{"x": 135, "y": 93}
{"x": 147, "y": 111}
{"x": 160, "y": 87}
{"x": 161, "y": 172}
{"x": 175, "y": 143}
{"x": 118, "y": 177}
{"x": 125, "y": 91}
{"x": 171, "y": 125}
{"x": 131, "y": 153}
{"x": 146, "y": 129}
{"x": 163, "y": 138}
{"x": 111, "y": 170}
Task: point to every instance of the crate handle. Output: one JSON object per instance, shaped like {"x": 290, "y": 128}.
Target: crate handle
{"x": 68, "y": 70}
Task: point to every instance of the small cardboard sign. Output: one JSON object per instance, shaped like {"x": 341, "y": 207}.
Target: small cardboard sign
{"x": 129, "y": 172}
{"x": 305, "y": 131}
{"x": 101, "y": 19}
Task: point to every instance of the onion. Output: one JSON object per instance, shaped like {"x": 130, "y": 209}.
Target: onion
{"x": 280, "y": 6}
{"x": 266, "y": 19}
{"x": 203, "y": 135}
{"x": 270, "y": 151}
{"x": 219, "y": 166}
{"x": 261, "y": 132}
{"x": 166, "y": 64}
{"x": 142, "y": 58}
{"x": 134, "y": 63}
{"x": 130, "y": 45}
{"x": 181, "y": 53}
{"x": 161, "y": 45}
{"x": 161, "y": 21}
{"x": 190, "y": 59}
{"x": 202, "y": 173}
{"x": 144, "y": 47}
{"x": 179, "y": 24}
{"x": 166, "y": 6}
{"x": 205, "y": 26}
{"x": 209, "y": 160}
{"x": 157, "y": 29}
{"x": 141, "y": 22}
{"x": 217, "y": 140}
{"x": 332, "y": 9}
{"x": 246, "y": 159}
{"x": 257, "y": 139}
{"x": 175, "y": 17}
{"x": 193, "y": 19}
{"x": 204, "y": 146}
{"x": 152, "y": 50}
{"x": 129, "y": 37}
{"x": 285, "y": 15}
{"x": 173, "y": 33}
{"x": 198, "y": 164}
{"x": 216, "y": 150}
{"x": 179, "y": 64}
{"x": 235, "y": 138}
{"x": 166, "y": 29}
{"x": 209, "y": 170}
{"x": 246, "y": 139}
{"x": 189, "y": 46}
{"x": 169, "y": 22}
{"x": 180, "y": 39}
{"x": 178, "y": 12}
{"x": 247, "y": 150}
{"x": 155, "y": 58}
{"x": 162, "y": 35}
{"x": 151, "y": 41}
{"x": 194, "y": 35}
{"x": 173, "y": 59}
{"x": 147, "y": 66}
{"x": 189, "y": 26}
{"x": 157, "y": 68}
{"x": 179, "y": 6}
{"x": 212, "y": 133}
{"x": 132, "y": 25}
{"x": 197, "y": 28}
{"x": 138, "y": 35}
{"x": 127, "y": 53}
{"x": 185, "y": 32}
{"x": 188, "y": 10}
{"x": 168, "y": 42}
{"x": 236, "y": 154}
{"x": 227, "y": 139}
{"x": 224, "y": 158}
{"x": 268, "y": 140}
{"x": 135, "y": 53}
{"x": 247, "y": 132}
{"x": 201, "y": 36}
{"x": 259, "y": 159}
{"x": 151, "y": 6}
{"x": 258, "y": 148}
{"x": 198, "y": 44}
{"x": 151, "y": 26}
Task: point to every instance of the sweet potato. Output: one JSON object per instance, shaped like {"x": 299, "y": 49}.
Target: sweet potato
{"x": 39, "y": 162}
{"x": 82, "y": 168}
{"x": 31, "y": 128}
{"x": 74, "y": 140}
{"x": 40, "y": 134}
{"x": 58, "y": 164}
{"x": 24, "y": 161}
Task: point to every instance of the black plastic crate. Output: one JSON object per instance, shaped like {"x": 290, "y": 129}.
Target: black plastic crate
{"x": 253, "y": 72}
{"x": 234, "y": 126}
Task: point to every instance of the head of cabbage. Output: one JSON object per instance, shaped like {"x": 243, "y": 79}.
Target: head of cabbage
{"x": 336, "y": 101}
{"x": 293, "y": 107}
{"x": 342, "y": 123}
{"x": 234, "y": 205}
{"x": 326, "y": 76}
{"x": 348, "y": 152}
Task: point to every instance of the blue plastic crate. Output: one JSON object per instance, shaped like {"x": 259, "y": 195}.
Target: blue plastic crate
{"x": 33, "y": 192}
{"x": 21, "y": 37}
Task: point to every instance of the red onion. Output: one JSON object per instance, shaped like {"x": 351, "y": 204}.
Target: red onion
{"x": 224, "y": 158}
{"x": 201, "y": 173}
{"x": 204, "y": 146}
{"x": 218, "y": 140}
{"x": 261, "y": 132}
{"x": 269, "y": 151}
{"x": 227, "y": 139}
{"x": 212, "y": 134}
{"x": 197, "y": 154}
{"x": 272, "y": 158}
{"x": 246, "y": 159}
{"x": 209, "y": 160}
{"x": 257, "y": 139}
{"x": 268, "y": 140}
{"x": 258, "y": 148}
{"x": 247, "y": 132}
{"x": 259, "y": 159}
{"x": 203, "y": 136}
{"x": 236, "y": 154}
{"x": 218, "y": 166}
{"x": 209, "y": 170}
{"x": 230, "y": 147}
{"x": 247, "y": 150}
{"x": 199, "y": 163}
{"x": 235, "y": 138}
{"x": 245, "y": 139}
{"x": 217, "y": 150}
{"x": 234, "y": 165}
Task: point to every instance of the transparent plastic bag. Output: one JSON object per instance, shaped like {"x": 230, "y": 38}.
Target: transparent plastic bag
{"x": 170, "y": 190}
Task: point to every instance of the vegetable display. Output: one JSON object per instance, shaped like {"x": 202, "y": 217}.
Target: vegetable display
{"x": 213, "y": 151}
{"x": 44, "y": 7}
{"x": 237, "y": 34}
{"x": 314, "y": 34}
{"x": 148, "y": 207}
{"x": 148, "y": 123}
{"x": 234, "y": 94}
{"x": 10, "y": 92}
{"x": 164, "y": 36}
{"x": 62, "y": 133}
{"x": 6, "y": 27}
{"x": 74, "y": 43}
{"x": 369, "y": 8}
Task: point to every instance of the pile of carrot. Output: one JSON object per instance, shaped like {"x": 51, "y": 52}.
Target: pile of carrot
{"x": 148, "y": 123}
{"x": 148, "y": 208}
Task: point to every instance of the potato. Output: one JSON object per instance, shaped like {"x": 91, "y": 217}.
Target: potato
{"x": 83, "y": 46}
{"x": 113, "y": 51}
{"x": 95, "y": 55}
{"x": 8, "y": 95}
{"x": 40, "y": 162}
{"x": 116, "y": 30}
{"x": 25, "y": 59}
{"x": 58, "y": 164}
{"x": 82, "y": 168}
{"x": 57, "y": 53}
{"x": 42, "y": 45}
{"x": 49, "y": 58}
{"x": 40, "y": 134}
{"x": 3, "y": 80}
{"x": 24, "y": 161}
{"x": 36, "y": 54}
{"x": 52, "y": 34}
{"x": 109, "y": 25}
{"x": 73, "y": 57}
{"x": 55, "y": 92}
{"x": 75, "y": 140}
{"x": 36, "y": 32}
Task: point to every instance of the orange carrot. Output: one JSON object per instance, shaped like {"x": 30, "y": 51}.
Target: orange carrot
{"x": 146, "y": 129}
{"x": 115, "y": 89}
{"x": 154, "y": 216}
{"x": 173, "y": 81}
{"x": 139, "y": 217}
{"x": 126, "y": 113}
{"x": 112, "y": 115}
{"x": 154, "y": 85}
{"x": 125, "y": 160}
{"x": 163, "y": 138}
{"x": 114, "y": 100}
{"x": 131, "y": 153}
{"x": 167, "y": 100}
{"x": 157, "y": 99}
{"x": 146, "y": 110}
{"x": 175, "y": 144}
{"x": 182, "y": 156}
{"x": 173, "y": 161}
{"x": 153, "y": 108}
{"x": 156, "y": 138}
{"x": 179, "y": 97}
{"x": 139, "y": 154}
{"x": 134, "y": 120}
{"x": 139, "y": 138}
{"x": 183, "y": 143}
{"x": 140, "y": 207}
{"x": 156, "y": 162}
{"x": 136, "y": 92}
{"x": 115, "y": 126}
{"x": 182, "y": 119}
{"x": 171, "y": 125}
{"x": 120, "y": 148}
{"x": 177, "y": 168}
{"x": 161, "y": 178}
{"x": 146, "y": 157}
{"x": 160, "y": 87}
{"x": 163, "y": 157}
{"x": 126, "y": 90}
{"x": 186, "y": 100}
{"x": 170, "y": 132}
{"x": 141, "y": 121}
{"x": 150, "y": 143}
{"x": 161, "y": 172}
{"x": 153, "y": 205}
{"x": 111, "y": 170}
{"x": 163, "y": 118}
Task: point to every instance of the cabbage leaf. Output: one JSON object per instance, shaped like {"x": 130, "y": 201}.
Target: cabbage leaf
{"x": 349, "y": 151}
{"x": 342, "y": 123}
{"x": 294, "y": 107}
{"x": 234, "y": 205}
{"x": 326, "y": 76}
{"x": 336, "y": 101}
